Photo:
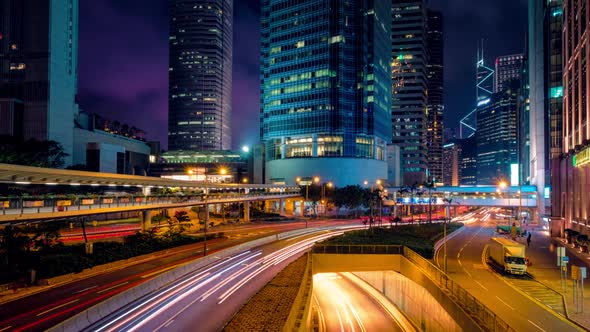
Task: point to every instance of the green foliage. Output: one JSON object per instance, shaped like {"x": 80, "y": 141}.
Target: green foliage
{"x": 31, "y": 153}
{"x": 350, "y": 197}
{"x": 420, "y": 238}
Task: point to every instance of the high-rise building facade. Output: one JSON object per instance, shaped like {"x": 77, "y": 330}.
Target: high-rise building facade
{"x": 435, "y": 106}
{"x": 410, "y": 87}
{"x": 468, "y": 161}
{"x": 545, "y": 61}
{"x": 570, "y": 174}
{"x": 508, "y": 69}
{"x": 38, "y": 66}
{"x": 325, "y": 90}
{"x": 451, "y": 164}
{"x": 496, "y": 137}
{"x": 200, "y": 74}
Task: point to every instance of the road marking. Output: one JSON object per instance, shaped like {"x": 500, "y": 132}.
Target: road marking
{"x": 504, "y": 303}
{"x": 536, "y": 325}
{"x": 6, "y": 328}
{"x": 170, "y": 322}
{"x": 59, "y": 306}
{"x": 80, "y": 291}
{"x": 458, "y": 260}
{"x": 107, "y": 289}
{"x": 482, "y": 286}
{"x": 470, "y": 276}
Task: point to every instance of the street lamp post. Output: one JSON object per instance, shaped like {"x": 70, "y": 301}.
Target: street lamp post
{"x": 306, "y": 182}
{"x": 448, "y": 216}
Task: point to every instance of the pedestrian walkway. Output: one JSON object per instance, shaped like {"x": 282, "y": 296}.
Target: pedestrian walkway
{"x": 543, "y": 256}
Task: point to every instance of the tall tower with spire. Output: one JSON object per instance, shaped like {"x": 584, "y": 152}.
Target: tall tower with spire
{"x": 484, "y": 87}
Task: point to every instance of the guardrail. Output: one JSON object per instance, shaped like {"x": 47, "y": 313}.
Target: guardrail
{"x": 297, "y": 320}
{"x": 482, "y": 314}
{"x": 485, "y": 317}
{"x": 357, "y": 249}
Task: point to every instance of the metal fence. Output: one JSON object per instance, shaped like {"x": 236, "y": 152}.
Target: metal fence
{"x": 357, "y": 249}
{"x": 482, "y": 314}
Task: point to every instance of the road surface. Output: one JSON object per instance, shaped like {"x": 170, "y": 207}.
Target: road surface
{"x": 345, "y": 305}
{"x": 467, "y": 267}
{"x": 47, "y": 308}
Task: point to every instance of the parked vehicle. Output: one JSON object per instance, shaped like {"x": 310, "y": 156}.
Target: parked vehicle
{"x": 510, "y": 255}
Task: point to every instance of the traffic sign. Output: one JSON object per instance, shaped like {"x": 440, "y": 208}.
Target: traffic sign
{"x": 583, "y": 272}
{"x": 575, "y": 272}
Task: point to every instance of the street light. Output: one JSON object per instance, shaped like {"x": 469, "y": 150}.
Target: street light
{"x": 306, "y": 182}
{"x": 324, "y": 201}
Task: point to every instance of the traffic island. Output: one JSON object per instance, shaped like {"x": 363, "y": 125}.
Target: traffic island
{"x": 269, "y": 309}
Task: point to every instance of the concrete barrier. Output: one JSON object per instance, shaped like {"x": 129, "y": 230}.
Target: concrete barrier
{"x": 101, "y": 310}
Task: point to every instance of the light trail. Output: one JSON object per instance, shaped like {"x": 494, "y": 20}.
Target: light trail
{"x": 228, "y": 276}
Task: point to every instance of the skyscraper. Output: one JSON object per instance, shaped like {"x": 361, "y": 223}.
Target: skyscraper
{"x": 325, "y": 90}
{"x": 435, "y": 106}
{"x": 545, "y": 61}
{"x": 410, "y": 86}
{"x": 200, "y": 74}
{"x": 451, "y": 164}
{"x": 496, "y": 137}
{"x": 508, "y": 69}
{"x": 484, "y": 87}
{"x": 571, "y": 203}
{"x": 38, "y": 66}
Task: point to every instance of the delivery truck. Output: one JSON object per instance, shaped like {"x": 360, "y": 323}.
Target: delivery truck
{"x": 508, "y": 254}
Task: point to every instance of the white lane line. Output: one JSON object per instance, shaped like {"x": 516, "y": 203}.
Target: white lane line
{"x": 170, "y": 322}
{"x": 107, "y": 289}
{"x": 482, "y": 286}
{"x": 470, "y": 276}
{"x": 505, "y": 303}
{"x": 6, "y": 328}
{"x": 537, "y": 326}
{"x": 80, "y": 291}
{"x": 59, "y": 306}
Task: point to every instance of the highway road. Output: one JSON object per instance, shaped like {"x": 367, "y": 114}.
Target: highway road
{"x": 467, "y": 266}
{"x": 206, "y": 298}
{"x": 345, "y": 303}
{"x": 49, "y": 307}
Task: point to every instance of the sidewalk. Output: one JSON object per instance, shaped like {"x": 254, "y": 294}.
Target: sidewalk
{"x": 543, "y": 256}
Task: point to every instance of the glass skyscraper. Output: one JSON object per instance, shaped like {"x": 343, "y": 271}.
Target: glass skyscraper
{"x": 436, "y": 105}
{"x": 410, "y": 87}
{"x": 496, "y": 137}
{"x": 325, "y": 90}
{"x": 39, "y": 66}
{"x": 200, "y": 74}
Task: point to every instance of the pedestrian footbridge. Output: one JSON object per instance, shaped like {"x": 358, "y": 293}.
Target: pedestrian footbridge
{"x": 493, "y": 196}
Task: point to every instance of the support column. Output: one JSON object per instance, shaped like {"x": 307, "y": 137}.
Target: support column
{"x": 146, "y": 220}
{"x": 247, "y": 211}
{"x": 146, "y": 190}
{"x": 282, "y": 207}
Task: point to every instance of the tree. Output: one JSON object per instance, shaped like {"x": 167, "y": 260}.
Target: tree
{"x": 31, "y": 153}
{"x": 350, "y": 197}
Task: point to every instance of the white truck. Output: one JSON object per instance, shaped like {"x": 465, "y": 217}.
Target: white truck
{"x": 508, "y": 254}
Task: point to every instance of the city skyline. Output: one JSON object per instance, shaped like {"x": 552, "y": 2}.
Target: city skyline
{"x": 132, "y": 46}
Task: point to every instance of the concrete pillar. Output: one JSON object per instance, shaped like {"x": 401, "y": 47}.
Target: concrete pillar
{"x": 314, "y": 145}
{"x": 146, "y": 220}
{"x": 282, "y": 207}
{"x": 247, "y": 211}
{"x": 146, "y": 190}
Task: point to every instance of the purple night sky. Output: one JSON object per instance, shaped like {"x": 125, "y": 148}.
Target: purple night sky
{"x": 123, "y": 58}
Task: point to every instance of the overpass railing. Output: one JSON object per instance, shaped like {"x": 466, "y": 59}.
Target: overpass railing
{"x": 482, "y": 314}
{"x": 485, "y": 317}
{"x": 38, "y": 204}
